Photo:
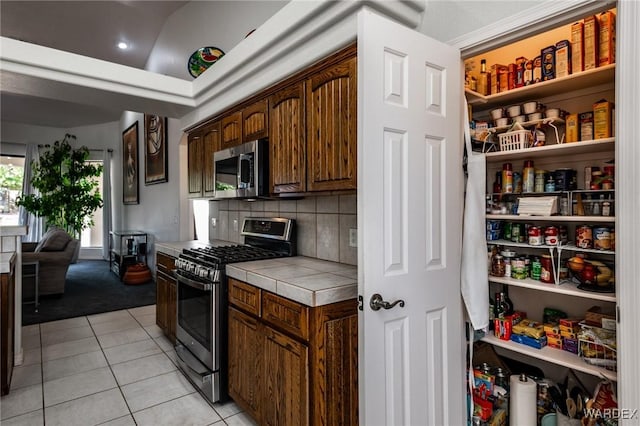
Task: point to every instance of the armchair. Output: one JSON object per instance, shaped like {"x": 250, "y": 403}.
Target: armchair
{"x": 54, "y": 253}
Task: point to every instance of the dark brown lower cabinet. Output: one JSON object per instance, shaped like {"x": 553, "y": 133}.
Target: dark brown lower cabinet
{"x": 166, "y": 295}
{"x": 7, "y": 309}
{"x": 290, "y": 364}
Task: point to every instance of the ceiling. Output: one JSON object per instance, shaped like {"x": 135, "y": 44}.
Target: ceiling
{"x": 89, "y": 28}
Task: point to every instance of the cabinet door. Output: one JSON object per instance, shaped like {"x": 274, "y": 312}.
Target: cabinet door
{"x": 287, "y": 140}
{"x": 331, "y": 128}
{"x": 231, "y": 129}
{"x": 162, "y": 290}
{"x": 211, "y": 142}
{"x": 255, "y": 121}
{"x": 172, "y": 313}
{"x": 286, "y": 380}
{"x": 245, "y": 366}
{"x": 7, "y": 300}
{"x": 194, "y": 158}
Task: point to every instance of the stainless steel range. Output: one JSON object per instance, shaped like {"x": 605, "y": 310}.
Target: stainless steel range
{"x": 201, "y": 328}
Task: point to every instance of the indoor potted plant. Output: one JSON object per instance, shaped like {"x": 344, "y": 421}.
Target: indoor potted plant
{"x": 68, "y": 187}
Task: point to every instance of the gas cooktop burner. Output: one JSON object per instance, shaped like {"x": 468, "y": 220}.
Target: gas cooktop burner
{"x": 233, "y": 253}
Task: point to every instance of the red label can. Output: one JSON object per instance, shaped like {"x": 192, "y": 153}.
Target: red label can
{"x": 535, "y": 236}
{"x": 551, "y": 236}
{"x": 584, "y": 237}
{"x": 546, "y": 271}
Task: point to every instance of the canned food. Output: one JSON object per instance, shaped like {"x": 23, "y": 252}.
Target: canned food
{"x": 601, "y": 238}
{"x": 612, "y": 235}
{"x": 536, "y": 268}
{"x": 551, "y": 236}
{"x": 508, "y": 258}
{"x": 546, "y": 270}
{"x": 584, "y": 237}
{"x": 518, "y": 268}
{"x": 507, "y": 231}
{"x": 535, "y": 236}
{"x": 515, "y": 232}
{"x": 563, "y": 232}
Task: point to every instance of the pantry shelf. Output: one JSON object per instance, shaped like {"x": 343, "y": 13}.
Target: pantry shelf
{"x": 565, "y": 287}
{"x": 591, "y": 219}
{"x": 554, "y": 356}
{"x": 553, "y": 151}
{"x": 581, "y": 80}
{"x": 570, "y": 247}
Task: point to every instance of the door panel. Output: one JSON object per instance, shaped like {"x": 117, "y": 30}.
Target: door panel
{"x": 255, "y": 121}
{"x": 194, "y": 158}
{"x": 231, "y": 129}
{"x": 331, "y": 128}
{"x": 211, "y": 142}
{"x": 287, "y": 140}
{"x": 409, "y": 166}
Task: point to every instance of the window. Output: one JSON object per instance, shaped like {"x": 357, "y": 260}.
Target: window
{"x": 92, "y": 237}
{"x": 11, "y": 174}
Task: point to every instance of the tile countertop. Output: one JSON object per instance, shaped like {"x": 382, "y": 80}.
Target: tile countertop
{"x": 310, "y": 281}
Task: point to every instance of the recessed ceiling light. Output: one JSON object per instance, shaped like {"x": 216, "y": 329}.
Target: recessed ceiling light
{"x": 122, "y": 45}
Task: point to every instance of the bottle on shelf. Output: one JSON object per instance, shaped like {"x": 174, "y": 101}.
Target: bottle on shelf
{"x": 505, "y": 300}
{"x": 484, "y": 82}
{"x": 499, "y": 307}
{"x": 507, "y": 178}
{"x": 528, "y": 176}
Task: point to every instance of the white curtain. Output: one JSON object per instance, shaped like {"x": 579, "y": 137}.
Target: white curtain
{"x": 34, "y": 224}
{"x": 106, "y": 200}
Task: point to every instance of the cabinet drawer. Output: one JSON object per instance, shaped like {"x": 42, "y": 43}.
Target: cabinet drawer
{"x": 244, "y": 296}
{"x": 165, "y": 263}
{"x": 286, "y": 314}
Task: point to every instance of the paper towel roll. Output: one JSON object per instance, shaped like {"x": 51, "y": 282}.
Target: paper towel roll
{"x": 522, "y": 401}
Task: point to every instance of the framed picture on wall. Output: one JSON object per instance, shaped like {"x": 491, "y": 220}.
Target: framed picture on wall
{"x": 155, "y": 151}
{"x": 130, "y": 165}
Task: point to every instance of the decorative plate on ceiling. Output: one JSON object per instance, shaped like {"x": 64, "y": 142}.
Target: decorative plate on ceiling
{"x": 202, "y": 59}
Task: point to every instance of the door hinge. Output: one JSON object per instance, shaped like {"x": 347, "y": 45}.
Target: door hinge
{"x": 360, "y": 302}
{"x": 618, "y": 314}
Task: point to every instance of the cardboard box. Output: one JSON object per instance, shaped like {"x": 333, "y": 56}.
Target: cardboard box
{"x": 572, "y": 133}
{"x": 586, "y": 126}
{"x": 511, "y": 77}
{"x": 563, "y": 58}
{"x": 548, "y": 56}
{"x": 577, "y": 47}
{"x": 529, "y": 341}
{"x": 602, "y": 119}
{"x": 607, "y": 49}
{"x": 520, "y": 68}
{"x": 537, "y": 69}
{"x": 496, "y": 69}
{"x": 554, "y": 341}
{"x": 591, "y": 42}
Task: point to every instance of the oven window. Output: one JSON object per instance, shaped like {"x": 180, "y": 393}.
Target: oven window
{"x": 195, "y": 313}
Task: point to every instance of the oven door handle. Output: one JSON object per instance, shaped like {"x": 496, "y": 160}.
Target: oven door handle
{"x": 191, "y": 283}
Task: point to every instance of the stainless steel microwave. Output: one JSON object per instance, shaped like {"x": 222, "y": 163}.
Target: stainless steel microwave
{"x": 242, "y": 171}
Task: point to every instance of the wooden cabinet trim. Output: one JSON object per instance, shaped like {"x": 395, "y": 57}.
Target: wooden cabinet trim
{"x": 245, "y": 297}
{"x": 211, "y": 143}
{"x": 285, "y": 314}
{"x": 194, "y": 163}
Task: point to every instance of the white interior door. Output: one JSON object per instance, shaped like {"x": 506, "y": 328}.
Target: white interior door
{"x": 411, "y": 367}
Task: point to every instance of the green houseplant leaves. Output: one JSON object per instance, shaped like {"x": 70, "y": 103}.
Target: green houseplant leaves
{"x": 68, "y": 185}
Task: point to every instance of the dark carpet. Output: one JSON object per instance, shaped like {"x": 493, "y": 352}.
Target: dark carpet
{"x": 91, "y": 288}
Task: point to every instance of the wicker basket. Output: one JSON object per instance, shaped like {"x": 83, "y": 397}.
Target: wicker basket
{"x": 511, "y": 141}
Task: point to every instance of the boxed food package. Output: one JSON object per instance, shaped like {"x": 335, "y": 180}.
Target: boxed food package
{"x": 528, "y": 72}
{"x": 563, "y": 58}
{"x": 577, "y": 47}
{"x": 554, "y": 341}
{"x": 586, "y": 126}
{"x": 573, "y": 130}
{"x": 607, "y": 50}
{"x": 548, "y": 55}
{"x": 496, "y": 70}
{"x": 602, "y": 119}
{"x": 570, "y": 345}
{"x": 520, "y": 71}
{"x": 530, "y": 341}
{"x": 551, "y": 329}
{"x": 529, "y": 328}
{"x": 569, "y": 324}
{"x": 537, "y": 69}
{"x": 591, "y": 42}
{"x": 595, "y": 317}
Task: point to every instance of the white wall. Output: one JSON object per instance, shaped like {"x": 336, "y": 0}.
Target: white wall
{"x": 25, "y": 134}
{"x": 222, "y": 24}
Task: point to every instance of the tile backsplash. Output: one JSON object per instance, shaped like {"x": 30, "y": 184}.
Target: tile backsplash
{"x": 323, "y": 223}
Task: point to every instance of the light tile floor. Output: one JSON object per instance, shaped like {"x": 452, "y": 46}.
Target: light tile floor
{"x": 115, "y": 368}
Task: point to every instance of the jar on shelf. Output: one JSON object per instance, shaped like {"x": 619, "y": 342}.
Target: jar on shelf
{"x": 498, "y": 266}
{"x": 508, "y": 256}
{"x": 546, "y": 270}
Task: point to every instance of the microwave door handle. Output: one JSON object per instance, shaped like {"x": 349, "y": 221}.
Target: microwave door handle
{"x": 244, "y": 173}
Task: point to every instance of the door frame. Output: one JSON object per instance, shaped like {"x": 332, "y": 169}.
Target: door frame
{"x": 542, "y": 18}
